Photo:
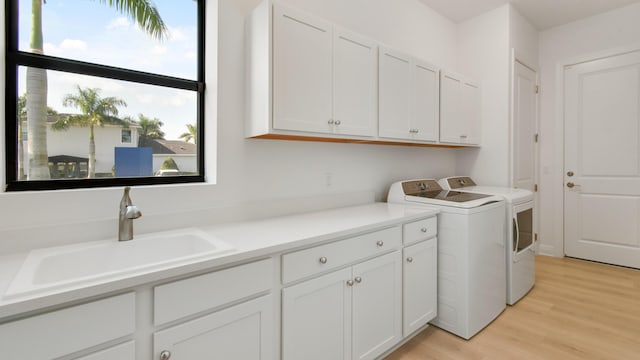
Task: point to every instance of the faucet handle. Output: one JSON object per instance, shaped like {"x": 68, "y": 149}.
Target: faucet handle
{"x": 132, "y": 212}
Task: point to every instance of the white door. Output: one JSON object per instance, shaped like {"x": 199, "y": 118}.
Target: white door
{"x": 377, "y": 306}
{"x": 425, "y": 114}
{"x": 524, "y": 127}
{"x": 355, "y": 84}
{"x": 420, "y": 290}
{"x": 451, "y": 128}
{"x": 242, "y": 332}
{"x": 301, "y": 71}
{"x": 602, "y": 160}
{"x": 395, "y": 94}
{"x": 316, "y": 318}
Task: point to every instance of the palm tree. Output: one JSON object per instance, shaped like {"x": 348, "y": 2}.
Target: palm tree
{"x": 150, "y": 128}
{"x": 191, "y": 134}
{"x": 22, "y": 119}
{"x": 96, "y": 111}
{"x": 144, "y": 13}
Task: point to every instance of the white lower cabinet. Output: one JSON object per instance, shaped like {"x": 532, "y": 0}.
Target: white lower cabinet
{"x": 241, "y": 332}
{"x": 126, "y": 351}
{"x": 63, "y": 332}
{"x": 420, "y": 276}
{"x": 353, "y": 313}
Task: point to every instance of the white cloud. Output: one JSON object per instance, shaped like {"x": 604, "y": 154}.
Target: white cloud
{"x": 117, "y": 23}
{"x": 159, "y": 50}
{"x": 71, "y": 44}
{"x": 178, "y": 34}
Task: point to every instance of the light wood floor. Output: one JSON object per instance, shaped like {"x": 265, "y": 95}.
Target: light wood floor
{"x": 576, "y": 310}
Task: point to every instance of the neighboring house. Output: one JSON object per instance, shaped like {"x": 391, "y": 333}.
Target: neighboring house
{"x": 73, "y": 144}
{"x": 182, "y": 152}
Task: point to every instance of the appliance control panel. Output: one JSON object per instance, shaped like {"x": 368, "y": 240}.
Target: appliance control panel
{"x": 418, "y": 186}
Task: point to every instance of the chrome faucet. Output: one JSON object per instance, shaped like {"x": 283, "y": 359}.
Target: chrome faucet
{"x": 128, "y": 213}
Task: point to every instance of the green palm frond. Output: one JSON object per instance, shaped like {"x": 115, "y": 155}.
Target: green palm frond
{"x": 144, "y": 13}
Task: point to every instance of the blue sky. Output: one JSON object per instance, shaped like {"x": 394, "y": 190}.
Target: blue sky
{"x": 90, "y": 31}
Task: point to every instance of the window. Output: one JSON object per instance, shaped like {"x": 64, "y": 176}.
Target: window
{"x": 125, "y": 136}
{"x": 93, "y": 86}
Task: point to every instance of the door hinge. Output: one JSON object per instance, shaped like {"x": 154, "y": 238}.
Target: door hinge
{"x": 535, "y": 187}
{"x": 535, "y": 237}
{"x": 536, "y": 137}
{"x": 536, "y": 89}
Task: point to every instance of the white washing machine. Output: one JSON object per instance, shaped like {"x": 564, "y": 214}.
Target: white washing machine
{"x": 520, "y": 253}
{"x": 471, "y": 246}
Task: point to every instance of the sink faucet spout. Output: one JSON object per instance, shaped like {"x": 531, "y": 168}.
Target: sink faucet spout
{"x": 128, "y": 212}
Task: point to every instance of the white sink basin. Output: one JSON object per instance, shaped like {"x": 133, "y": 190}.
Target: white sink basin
{"x": 86, "y": 263}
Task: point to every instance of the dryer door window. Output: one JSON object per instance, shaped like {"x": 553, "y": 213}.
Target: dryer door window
{"x": 523, "y": 230}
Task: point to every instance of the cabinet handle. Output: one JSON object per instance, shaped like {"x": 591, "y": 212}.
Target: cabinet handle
{"x": 323, "y": 260}
{"x": 349, "y": 282}
{"x": 358, "y": 279}
{"x": 165, "y": 355}
{"x": 338, "y": 122}
{"x": 380, "y": 243}
{"x": 424, "y": 229}
{"x": 409, "y": 259}
{"x": 330, "y": 122}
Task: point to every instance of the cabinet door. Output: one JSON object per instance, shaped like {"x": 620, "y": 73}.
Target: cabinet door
{"x": 301, "y": 71}
{"x": 316, "y": 318}
{"x": 471, "y": 112}
{"x": 420, "y": 292}
{"x": 395, "y": 94}
{"x": 243, "y": 332}
{"x": 126, "y": 351}
{"x": 354, "y": 83}
{"x": 425, "y": 114}
{"x": 451, "y": 128}
{"x": 377, "y": 306}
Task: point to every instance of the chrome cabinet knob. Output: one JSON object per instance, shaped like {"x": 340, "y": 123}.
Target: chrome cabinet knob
{"x": 424, "y": 229}
{"x": 338, "y": 122}
{"x": 358, "y": 279}
{"x": 380, "y": 243}
{"x": 409, "y": 259}
{"x": 165, "y": 355}
{"x": 323, "y": 260}
{"x": 330, "y": 122}
{"x": 349, "y": 282}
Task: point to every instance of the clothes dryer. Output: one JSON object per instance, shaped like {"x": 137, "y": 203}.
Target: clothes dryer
{"x": 519, "y": 235}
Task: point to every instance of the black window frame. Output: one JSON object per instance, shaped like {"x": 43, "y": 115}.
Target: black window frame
{"x": 14, "y": 58}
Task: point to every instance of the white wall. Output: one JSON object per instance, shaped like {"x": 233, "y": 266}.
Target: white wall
{"x": 483, "y": 49}
{"x": 604, "y": 32}
{"x": 254, "y": 177}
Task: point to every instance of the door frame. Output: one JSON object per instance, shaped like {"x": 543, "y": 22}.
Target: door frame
{"x": 536, "y": 162}
{"x": 558, "y": 248}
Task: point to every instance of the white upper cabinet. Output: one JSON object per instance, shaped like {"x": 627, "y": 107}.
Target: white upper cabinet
{"x": 460, "y": 111}
{"x": 301, "y": 71}
{"x": 355, "y": 70}
{"x": 408, "y": 97}
{"x": 324, "y": 77}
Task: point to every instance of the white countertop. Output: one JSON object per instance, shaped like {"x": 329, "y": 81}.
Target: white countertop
{"x": 251, "y": 240}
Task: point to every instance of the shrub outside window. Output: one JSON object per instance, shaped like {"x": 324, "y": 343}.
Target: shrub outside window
{"x": 94, "y": 88}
